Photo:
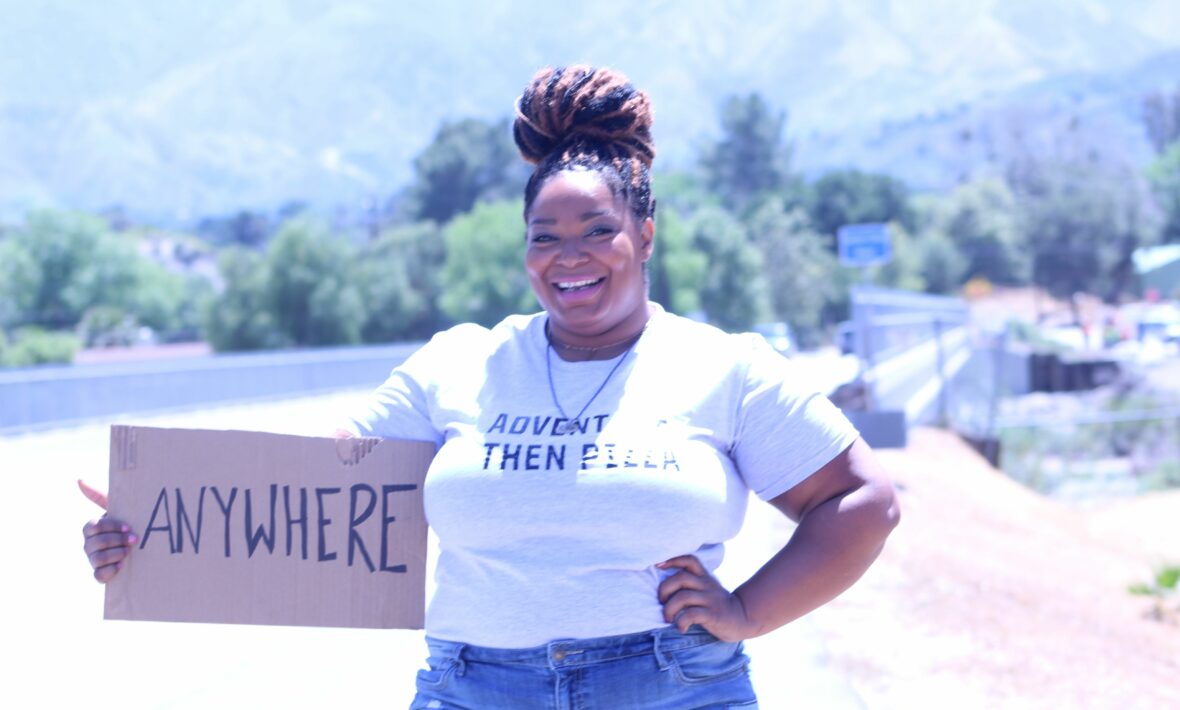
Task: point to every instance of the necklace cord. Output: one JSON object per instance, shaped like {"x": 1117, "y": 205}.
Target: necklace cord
{"x": 553, "y": 391}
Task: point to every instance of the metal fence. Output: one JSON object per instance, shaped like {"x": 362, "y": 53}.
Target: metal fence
{"x": 1099, "y": 430}
{"x": 1091, "y": 455}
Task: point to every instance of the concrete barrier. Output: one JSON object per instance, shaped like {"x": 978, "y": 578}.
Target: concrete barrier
{"x": 880, "y": 429}
{"x": 42, "y": 397}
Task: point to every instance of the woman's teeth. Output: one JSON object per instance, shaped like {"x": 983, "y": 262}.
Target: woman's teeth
{"x": 576, "y": 285}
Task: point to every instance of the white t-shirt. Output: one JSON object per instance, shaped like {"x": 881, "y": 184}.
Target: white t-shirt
{"x": 544, "y": 535}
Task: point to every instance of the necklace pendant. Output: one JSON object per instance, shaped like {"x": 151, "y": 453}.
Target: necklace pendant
{"x": 564, "y": 428}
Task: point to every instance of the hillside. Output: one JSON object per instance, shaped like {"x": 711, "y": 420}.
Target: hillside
{"x": 988, "y": 595}
{"x": 190, "y": 108}
{"x": 933, "y": 149}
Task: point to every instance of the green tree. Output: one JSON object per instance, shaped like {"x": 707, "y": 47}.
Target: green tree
{"x": 675, "y": 269}
{"x": 682, "y": 193}
{"x": 243, "y": 228}
{"x": 240, "y": 317}
{"x": 310, "y": 285}
{"x": 799, "y": 267}
{"x": 129, "y": 290}
{"x": 110, "y": 277}
{"x": 904, "y": 270}
{"x": 942, "y": 265}
{"x": 62, "y": 245}
{"x": 733, "y": 292}
{"x": 483, "y": 279}
{"x": 852, "y": 197}
{"x": 1161, "y": 118}
{"x": 106, "y": 327}
{"x": 61, "y": 269}
{"x": 1084, "y": 218}
{"x": 399, "y": 274}
{"x": 170, "y": 303}
{"x": 468, "y": 160}
{"x": 20, "y": 278}
{"x": 1164, "y": 176}
{"x": 980, "y": 219}
{"x": 751, "y": 159}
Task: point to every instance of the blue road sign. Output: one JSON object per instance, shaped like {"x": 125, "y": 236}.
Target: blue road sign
{"x": 864, "y": 244}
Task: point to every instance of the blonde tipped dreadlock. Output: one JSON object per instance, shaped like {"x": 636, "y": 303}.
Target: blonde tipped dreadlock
{"x": 580, "y": 117}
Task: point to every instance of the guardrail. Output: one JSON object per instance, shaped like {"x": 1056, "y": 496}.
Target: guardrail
{"x": 42, "y": 397}
{"x": 911, "y": 347}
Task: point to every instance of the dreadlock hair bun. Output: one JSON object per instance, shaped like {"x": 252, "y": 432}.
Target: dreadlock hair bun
{"x": 581, "y": 104}
{"x": 587, "y": 118}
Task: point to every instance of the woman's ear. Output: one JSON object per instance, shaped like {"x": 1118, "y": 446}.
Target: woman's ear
{"x": 647, "y": 233}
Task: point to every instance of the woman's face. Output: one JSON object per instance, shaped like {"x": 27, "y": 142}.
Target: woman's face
{"x": 585, "y": 257}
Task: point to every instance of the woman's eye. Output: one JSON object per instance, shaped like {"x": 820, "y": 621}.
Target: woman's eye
{"x": 541, "y": 238}
{"x": 601, "y": 231}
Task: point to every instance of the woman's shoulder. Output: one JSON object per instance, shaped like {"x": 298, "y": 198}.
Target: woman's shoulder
{"x": 472, "y": 340}
{"x": 702, "y": 338}
{"x": 690, "y": 348}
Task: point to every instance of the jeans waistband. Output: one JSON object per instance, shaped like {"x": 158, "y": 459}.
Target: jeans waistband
{"x": 567, "y": 653}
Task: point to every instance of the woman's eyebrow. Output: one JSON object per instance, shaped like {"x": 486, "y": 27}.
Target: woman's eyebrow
{"x": 585, "y": 217}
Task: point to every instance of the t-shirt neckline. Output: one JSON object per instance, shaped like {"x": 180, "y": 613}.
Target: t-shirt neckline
{"x": 655, "y": 310}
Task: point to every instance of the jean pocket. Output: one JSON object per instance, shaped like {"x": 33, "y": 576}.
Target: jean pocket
{"x": 440, "y": 668}
{"x": 709, "y": 662}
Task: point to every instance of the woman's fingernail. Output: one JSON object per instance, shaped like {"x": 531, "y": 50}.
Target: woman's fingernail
{"x": 125, "y": 528}
{"x": 131, "y": 539}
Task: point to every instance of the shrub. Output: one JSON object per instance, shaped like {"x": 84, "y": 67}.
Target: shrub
{"x": 35, "y": 346}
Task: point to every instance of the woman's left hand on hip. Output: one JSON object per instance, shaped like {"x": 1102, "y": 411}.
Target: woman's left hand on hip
{"x": 693, "y": 596}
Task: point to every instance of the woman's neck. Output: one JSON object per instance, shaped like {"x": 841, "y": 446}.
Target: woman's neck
{"x": 610, "y": 345}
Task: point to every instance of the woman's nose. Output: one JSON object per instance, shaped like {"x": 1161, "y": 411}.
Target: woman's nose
{"x": 571, "y": 251}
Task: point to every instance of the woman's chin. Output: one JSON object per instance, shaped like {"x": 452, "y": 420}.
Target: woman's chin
{"x": 574, "y": 315}
{"x": 573, "y": 325}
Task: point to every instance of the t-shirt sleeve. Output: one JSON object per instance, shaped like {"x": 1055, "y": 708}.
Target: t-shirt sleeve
{"x": 403, "y": 407}
{"x": 786, "y": 430}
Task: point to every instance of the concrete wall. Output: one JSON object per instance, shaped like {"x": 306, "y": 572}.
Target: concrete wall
{"x": 33, "y": 398}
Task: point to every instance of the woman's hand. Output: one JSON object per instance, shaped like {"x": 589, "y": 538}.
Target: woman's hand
{"x": 108, "y": 541}
{"x": 693, "y": 596}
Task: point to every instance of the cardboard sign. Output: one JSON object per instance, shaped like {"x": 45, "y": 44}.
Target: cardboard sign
{"x": 252, "y": 528}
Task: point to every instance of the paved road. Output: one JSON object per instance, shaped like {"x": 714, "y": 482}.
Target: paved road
{"x": 66, "y": 656}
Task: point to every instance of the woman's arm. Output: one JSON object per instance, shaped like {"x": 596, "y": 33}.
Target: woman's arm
{"x": 845, "y": 510}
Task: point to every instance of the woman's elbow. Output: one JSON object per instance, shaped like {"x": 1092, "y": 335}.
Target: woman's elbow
{"x": 888, "y": 507}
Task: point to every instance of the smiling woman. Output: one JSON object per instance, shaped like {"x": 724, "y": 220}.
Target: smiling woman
{"x": 594, "y": 458}
{"x": 588, "y": 206}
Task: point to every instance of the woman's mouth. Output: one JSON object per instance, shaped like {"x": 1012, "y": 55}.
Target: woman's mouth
{"x": 579, "y": 285}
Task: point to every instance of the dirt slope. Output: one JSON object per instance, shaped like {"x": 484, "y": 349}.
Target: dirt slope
{"x": 989, "y": 595}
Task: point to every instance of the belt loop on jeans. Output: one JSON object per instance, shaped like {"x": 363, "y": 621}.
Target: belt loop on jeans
{"x": 460, "y": 663}
{"x": 663, "y": 661}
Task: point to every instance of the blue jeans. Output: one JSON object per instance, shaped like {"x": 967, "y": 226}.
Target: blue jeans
{"x": 655, "y": 669}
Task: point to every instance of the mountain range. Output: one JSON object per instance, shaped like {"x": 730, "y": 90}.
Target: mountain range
{"x": 177, "y": 110}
